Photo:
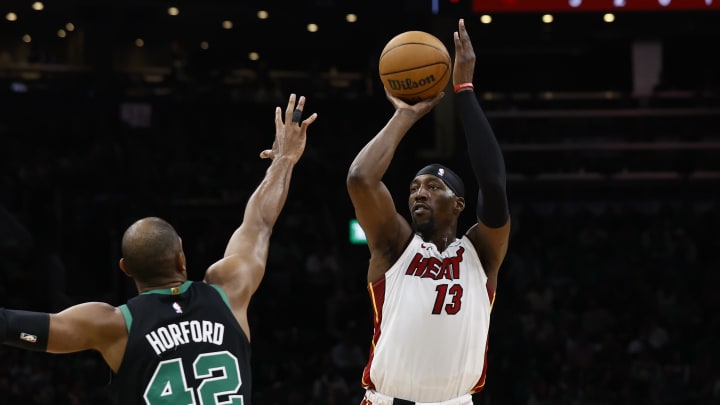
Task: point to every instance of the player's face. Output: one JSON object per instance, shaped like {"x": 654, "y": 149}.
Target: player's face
{"x": 431, "y": 202}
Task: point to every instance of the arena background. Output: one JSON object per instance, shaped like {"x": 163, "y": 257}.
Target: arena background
{"x": 611, "y": 134}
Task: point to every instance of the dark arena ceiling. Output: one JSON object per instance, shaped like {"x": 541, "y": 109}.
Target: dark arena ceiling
{"x": 223, "y": 33}
{"x": 643, "y": 81}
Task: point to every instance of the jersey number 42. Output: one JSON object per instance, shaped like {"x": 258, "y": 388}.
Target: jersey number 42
{"x": 219, "y": 373}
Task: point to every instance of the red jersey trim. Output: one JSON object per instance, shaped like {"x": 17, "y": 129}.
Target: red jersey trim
{"x": 376, "y": 290}
{"x": 481, "y": 382}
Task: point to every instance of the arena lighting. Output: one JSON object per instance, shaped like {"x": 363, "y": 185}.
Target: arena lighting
{"x": 485, "y": 6}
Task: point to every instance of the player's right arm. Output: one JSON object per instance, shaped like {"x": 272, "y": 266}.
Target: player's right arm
{"x": 385, "y": 229}
{"x": 242, "y": 268}
{"x": 87, "y": 326}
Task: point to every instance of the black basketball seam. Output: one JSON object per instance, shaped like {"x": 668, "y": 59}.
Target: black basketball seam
{"x": 417, "y": 67}
{"x": 441, "y": 50}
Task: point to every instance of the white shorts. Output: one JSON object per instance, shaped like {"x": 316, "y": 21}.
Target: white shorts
{"x": 376, "y": 398}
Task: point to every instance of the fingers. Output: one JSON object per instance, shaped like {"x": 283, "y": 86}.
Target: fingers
{"x": 396, "y": 102}
{"x": 436, "y": 100}
{"x": 309, "y": 120}
{"x": 387, "y": 93}
{"x": 293, "y": 113}
{"x": 289, "y": 139}
{"x": 426, "y": 106}
{"x": 290, "y": 107}
{"x": 462, "y": 38}
{"x": 278, "y": 117}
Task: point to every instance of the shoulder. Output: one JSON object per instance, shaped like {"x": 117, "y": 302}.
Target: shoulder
{"x": 383, "y": 259}
{"x": 489, "y": 240}
{"x": 206, "y": 289}
{"x": 491, "y": 245}
{"x": 215, "y": 290}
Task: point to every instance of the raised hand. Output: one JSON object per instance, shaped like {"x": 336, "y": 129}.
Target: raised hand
{"x": 464, "y": 65}
{"x": 290, "y": 135}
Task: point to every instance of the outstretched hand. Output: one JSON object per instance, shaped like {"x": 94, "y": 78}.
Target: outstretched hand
{"x": 290, "y": 134}
{"x": 464, "y": 65}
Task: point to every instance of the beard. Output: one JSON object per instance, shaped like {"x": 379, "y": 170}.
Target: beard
{"x": 425, "y": 228}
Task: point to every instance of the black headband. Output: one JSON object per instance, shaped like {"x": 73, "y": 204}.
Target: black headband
{"x": 449, "y": 177}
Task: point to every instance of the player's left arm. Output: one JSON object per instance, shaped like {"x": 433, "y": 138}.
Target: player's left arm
{"x": 491, "y": 234}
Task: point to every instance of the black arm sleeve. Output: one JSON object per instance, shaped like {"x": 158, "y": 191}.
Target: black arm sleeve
{"x": 24, "y": 329}
{"x": 486, "y": 160}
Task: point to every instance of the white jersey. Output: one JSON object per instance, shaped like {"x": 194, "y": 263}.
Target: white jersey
{"x": 432, "y": 316}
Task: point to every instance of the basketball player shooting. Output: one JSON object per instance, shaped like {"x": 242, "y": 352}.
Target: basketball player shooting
{"x": 431, "y": 291}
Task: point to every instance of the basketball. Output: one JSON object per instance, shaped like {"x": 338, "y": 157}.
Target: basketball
{"x": 414, "y": 66}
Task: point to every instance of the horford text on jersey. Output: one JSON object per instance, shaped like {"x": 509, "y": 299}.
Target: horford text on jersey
{"x": 176, "y": 334}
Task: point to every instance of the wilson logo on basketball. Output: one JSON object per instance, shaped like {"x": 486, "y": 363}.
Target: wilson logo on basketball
{"x": 409, "y": 84}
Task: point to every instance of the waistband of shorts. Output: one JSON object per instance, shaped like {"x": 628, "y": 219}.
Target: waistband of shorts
{"x": 377, "y": 398}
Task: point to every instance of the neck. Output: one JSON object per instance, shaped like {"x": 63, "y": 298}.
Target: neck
{"x": 441, "y": 241}
{"x": 160, "y": 286}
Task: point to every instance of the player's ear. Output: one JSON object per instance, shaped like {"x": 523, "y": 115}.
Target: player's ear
{"x": 459, "y": 204}
{"x": 181, "y": 262}
{"x": 123, "y": 267}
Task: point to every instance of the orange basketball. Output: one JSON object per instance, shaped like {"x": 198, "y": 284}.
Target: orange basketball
{"x": 414, "y": 66}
